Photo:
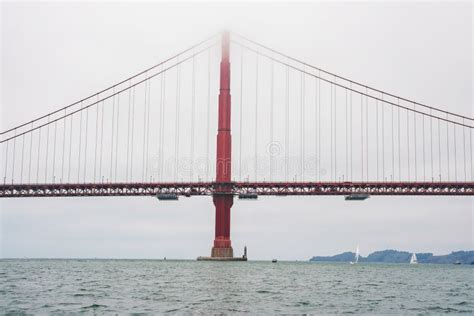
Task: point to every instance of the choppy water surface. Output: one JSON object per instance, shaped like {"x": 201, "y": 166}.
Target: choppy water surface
{"x": 109, "y": 286}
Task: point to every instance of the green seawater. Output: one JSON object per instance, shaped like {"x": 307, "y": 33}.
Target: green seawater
{"x": 192, "y": 287}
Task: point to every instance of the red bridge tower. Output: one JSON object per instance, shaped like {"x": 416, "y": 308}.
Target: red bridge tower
{"x": 223, "y": 197}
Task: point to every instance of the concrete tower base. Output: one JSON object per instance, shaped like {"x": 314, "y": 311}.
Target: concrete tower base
{"x": 223, "y": 254}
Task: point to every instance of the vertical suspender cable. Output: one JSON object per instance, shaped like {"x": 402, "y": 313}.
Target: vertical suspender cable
{"x": 302, "y": 124}
{"x": 331, "y": 133}
{"x": 439, "y": 149}
{"x": 423, "y": 135}
{"x": 160, "y": 114}
{"x": 367, "y": 134}
{"x": 70, "y": 150}
{"x": 47, "y": 154}
{"x": 316, "y": 127}
{"x": 241, "y": 110}
{"x": 144, "y": 128}
{"x": 287, "y": 122}
{"x": 158, "y": 130}
{"x": 464, "y": 149}
{"x": 470, "y": 151}
{"x": 335, "y": 131}
{"x": 147, "y": 134}
{"x": 193, "y": 109}
{"x": 414, "y": 131}
{"x": 163, "y": 121}
{"x": 13, "y": 158}
{"x": 54, "y": 151}
{"x": 112, "y": 139}
{"x": 38, "y": 157}
{"x": 447, "y": 146}
{"x": 63, "y": 147}
{"x": 256, "y": 118}
{"x": 455, "y": 155}
{"x": 176, "y": 126}
{"x": 22, "y": 155}
{"x": 97, "y": 136}
{"x": 31, "y": 151}
{"x": 80, "y": 147}
{"x": 118, "y": 129}
{"x": 209, "y": 112}
{"x": 347, "y": 142}
{"x": 393, "y": 149}
{"x": 377, "y": 135}
{"x": 6, "y": 164}
{"x": 408, "y": 143}
{"x": 128, "y": 130}
{"x": 85, "y": 143}
{"x": 101, "y": 141}
{"x": 132, "y": 147}
{"x": 271, "y": 120}
{"x": 160, "y": 111}
{"x": 319, "y": 126}
{"x": 431, "y": 146}
{"x": 351, "y": 140}
{"x": 399, "y": 146}
{"x": 361, "y": 138}
{"x": 383, "y": 139}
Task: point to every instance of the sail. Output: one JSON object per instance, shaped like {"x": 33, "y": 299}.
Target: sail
{"x": 357, "y": 254}
{"x": 413, "y": 259}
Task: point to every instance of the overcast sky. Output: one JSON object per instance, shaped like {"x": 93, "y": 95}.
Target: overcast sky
{"x": 54, "y": 54}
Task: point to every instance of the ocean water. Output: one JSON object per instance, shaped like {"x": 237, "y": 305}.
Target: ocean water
{"x": 187, "y": 287}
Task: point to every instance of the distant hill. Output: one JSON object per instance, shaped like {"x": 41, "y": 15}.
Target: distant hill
{"x": 395, "y": 256}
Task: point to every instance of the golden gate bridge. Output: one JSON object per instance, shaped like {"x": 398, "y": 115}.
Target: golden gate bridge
{"x": 300, "y": 130}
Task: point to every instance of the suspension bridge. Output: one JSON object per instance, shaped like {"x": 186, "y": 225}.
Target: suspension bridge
{"x": 299, "y": 130}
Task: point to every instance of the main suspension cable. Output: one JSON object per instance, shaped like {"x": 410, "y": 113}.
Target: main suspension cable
{"x": 359, "y": 92}
{"x": 112, "y": 95}
{"x": 345, "y": 79}
{"x": 117, "y": 84}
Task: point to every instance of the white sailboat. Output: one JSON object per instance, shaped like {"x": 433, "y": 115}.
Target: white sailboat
{"x": 356, "y": 257}
{"x": 413, "y": 259}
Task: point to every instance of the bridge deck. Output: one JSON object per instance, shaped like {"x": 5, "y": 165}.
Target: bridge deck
{"x": 260, "y": 188}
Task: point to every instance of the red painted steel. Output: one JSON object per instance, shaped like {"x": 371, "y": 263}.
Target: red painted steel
{"x": 223, "y": 199}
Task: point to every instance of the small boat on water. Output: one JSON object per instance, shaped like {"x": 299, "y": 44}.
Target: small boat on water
{"x": 274, "y": 260}
{"x": 413, "y": 259}
{"x": 356, "y": 257}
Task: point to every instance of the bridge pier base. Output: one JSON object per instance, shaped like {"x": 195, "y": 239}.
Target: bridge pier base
{"x": 222, "y": 250}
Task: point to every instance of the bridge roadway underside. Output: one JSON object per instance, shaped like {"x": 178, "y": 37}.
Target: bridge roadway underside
{"x": 237, "y": 188}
